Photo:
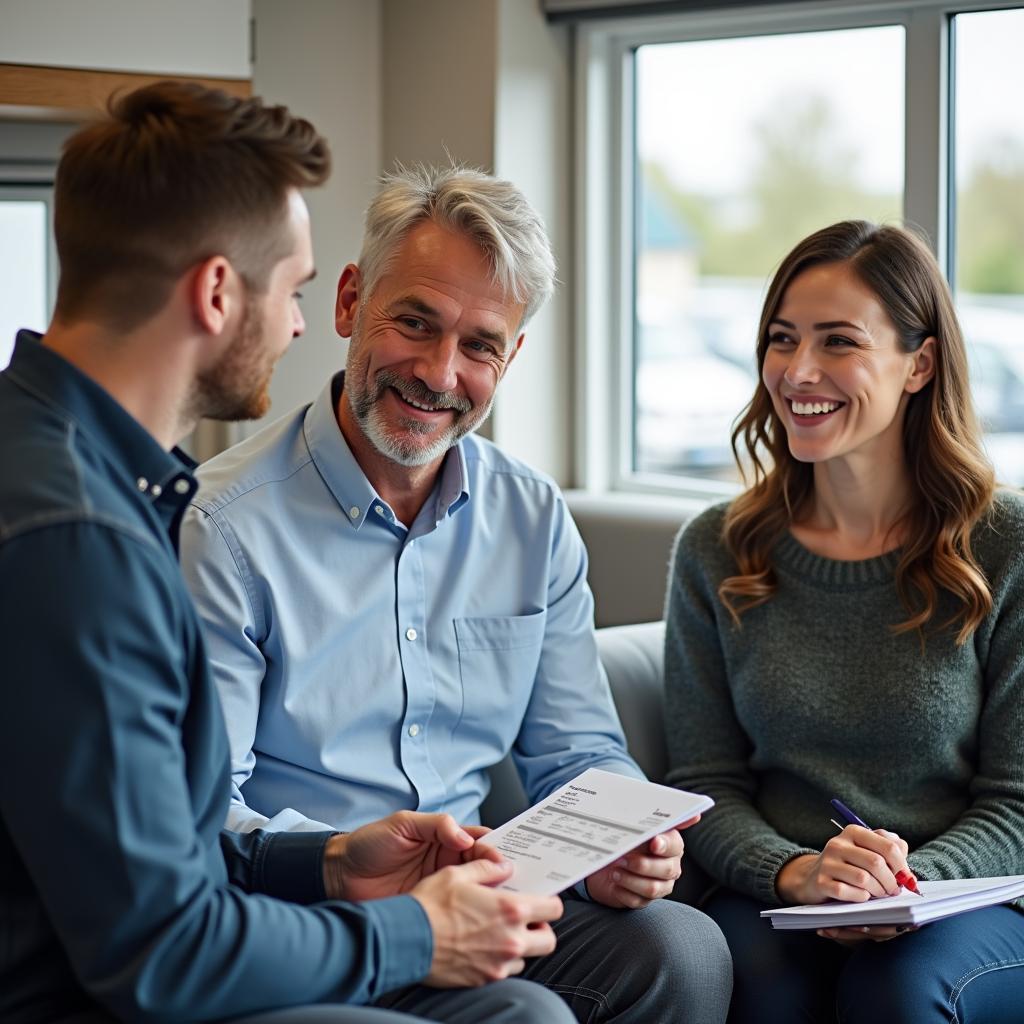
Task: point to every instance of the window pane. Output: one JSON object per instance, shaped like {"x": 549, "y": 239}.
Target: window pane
{"x": 23, "y": 230}
{"x": 989, "y": 251}
{"x": 744, "y": 146}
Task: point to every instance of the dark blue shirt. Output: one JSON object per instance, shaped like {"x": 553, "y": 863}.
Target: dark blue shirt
{"x": 117, "y": 885}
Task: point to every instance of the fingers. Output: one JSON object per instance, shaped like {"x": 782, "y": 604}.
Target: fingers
{"x": 540, "y": 940}
{"x": 480, "y": 850}
{"x": 871, "y": 933}
{"x": 434, "y": 828}
{"x": 864, "y": 860}
{"x": 483, "y": 934}
{"x": 449, "y": 833}
{"x": 689, "y": 822}
{"x": 668, "y": 844}
{"x": 483, "y": 871}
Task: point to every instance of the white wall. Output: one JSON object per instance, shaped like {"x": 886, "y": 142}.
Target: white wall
{"x": 187, "y": 37}
{"x": 322, "y": 59}
{"x": 488, "y": 82}
{"x": 439, "y": 81}
{"x": 533, "y": 416}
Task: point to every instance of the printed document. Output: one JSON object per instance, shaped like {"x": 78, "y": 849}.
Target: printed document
{"x": 937, "y": 900}
{"x": 588, "y": 823}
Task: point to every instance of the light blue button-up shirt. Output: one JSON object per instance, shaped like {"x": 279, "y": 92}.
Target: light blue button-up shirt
{"x": 365, "y": 667}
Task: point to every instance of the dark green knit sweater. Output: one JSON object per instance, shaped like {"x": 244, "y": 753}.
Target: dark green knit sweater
{"x": 813, "y": 697}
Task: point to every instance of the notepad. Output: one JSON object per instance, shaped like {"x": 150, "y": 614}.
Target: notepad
{"x": 588, "y": 823}
{"x": 937, "y": 900}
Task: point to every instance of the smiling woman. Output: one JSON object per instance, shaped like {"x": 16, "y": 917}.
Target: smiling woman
{"x": 836, "y": 371}
{"x": 869, "y": 564}
{"x": 880, "y": 340}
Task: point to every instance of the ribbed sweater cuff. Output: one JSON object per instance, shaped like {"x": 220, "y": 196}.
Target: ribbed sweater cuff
{"x": 769, "y": 867}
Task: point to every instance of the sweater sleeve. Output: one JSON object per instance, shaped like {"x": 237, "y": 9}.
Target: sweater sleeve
{"x": 988, "y": 838}
{"x": 708, "y": 749}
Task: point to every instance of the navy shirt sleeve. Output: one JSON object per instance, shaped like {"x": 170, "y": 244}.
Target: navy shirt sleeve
{"x": 108, "y": 815}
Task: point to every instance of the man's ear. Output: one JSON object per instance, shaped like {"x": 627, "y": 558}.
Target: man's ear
{"x": 346, "y": 305}
{"x": 515, "y": 351}
{"x": 923, "y": 366}
{"x": 215, "y": 294}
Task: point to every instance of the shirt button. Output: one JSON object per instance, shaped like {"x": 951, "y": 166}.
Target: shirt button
{"x": 379, "y": 509}
{"x": 414, "y": 730}
{"x": 156, "y": 490}
{"x": 181, "y": 487}
{"x": 353, "y": 512}
{"x": 411, "y": 634}
{"x": 142, "y": 483}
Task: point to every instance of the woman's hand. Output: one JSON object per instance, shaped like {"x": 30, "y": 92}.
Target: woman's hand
{"x": 852, "y": 937}
{"x": 855, "y": 865}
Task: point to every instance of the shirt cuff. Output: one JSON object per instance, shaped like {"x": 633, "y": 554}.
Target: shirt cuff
{"x": 290, "y": 866}
{"x": 405, "y": 947}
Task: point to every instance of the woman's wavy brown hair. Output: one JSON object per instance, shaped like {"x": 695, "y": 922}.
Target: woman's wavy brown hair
{"x": 952, "y": 479}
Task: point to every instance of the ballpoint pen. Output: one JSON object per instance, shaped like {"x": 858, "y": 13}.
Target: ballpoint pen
{"x": 904, "y": 878}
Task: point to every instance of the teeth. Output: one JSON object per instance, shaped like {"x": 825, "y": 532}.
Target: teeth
{"x": 814, "y": 408}
{"x": 417, "y": 405}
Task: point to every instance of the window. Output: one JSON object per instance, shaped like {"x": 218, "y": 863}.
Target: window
{"x": 24, "y": 257}
{"x": 712, "y": 142}
{"x": 28, "y": 264}
{"x": 988, "y": 257}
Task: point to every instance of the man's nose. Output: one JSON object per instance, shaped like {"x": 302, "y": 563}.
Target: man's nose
{"x": 436, "y": 364}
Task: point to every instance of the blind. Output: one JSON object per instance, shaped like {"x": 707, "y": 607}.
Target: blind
{"x": 577, "y": 10}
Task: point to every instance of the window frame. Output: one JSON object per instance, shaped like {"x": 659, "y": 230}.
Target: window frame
{"x": 605, "y": 159}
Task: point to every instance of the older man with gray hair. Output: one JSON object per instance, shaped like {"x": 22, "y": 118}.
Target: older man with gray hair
{"x": 392, "y": 604}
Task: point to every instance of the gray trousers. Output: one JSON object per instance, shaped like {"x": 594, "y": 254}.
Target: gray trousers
{"x": 664, "y": 964}
{"x": 504, "y": 1002}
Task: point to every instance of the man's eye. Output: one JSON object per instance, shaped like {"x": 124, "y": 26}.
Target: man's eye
{"x": 414, "y": 323}
{"x": 482, "y": 347}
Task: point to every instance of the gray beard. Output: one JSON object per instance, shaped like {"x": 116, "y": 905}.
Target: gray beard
{"x": 366, "y": 410}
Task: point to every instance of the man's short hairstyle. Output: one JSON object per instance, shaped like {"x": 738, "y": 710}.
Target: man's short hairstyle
{"x": 176, "y": 173}
{"x": 491, "y": 212}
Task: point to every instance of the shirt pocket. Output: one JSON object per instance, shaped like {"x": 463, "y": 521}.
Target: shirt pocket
{"x": 498, "y": 660}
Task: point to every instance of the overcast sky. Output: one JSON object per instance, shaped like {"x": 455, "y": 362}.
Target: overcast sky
{"x": 698, "y": 101}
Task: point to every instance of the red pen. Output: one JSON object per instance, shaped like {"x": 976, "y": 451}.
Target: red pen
{"x": 903, "y": 878}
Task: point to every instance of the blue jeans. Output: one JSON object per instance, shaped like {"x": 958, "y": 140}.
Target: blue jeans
{"x": 967, "y": 969}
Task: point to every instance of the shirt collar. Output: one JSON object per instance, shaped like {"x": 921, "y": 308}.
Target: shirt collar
{"x": 126, "y": 444}
{"x": 344, "y": 477}
{"x": 453, "y": 491}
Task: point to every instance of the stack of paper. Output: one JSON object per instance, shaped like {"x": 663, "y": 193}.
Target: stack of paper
{"x": 937, "y": 900}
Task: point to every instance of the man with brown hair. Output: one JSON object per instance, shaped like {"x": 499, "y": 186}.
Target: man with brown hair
{"x": 183, "y": 239}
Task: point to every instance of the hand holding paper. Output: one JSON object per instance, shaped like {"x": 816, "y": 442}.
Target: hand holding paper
{"x": 590, "y": 824}
{"x": 645, "y": 874}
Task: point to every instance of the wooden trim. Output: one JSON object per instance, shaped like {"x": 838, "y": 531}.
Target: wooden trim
{"x": 72, "y": 94}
